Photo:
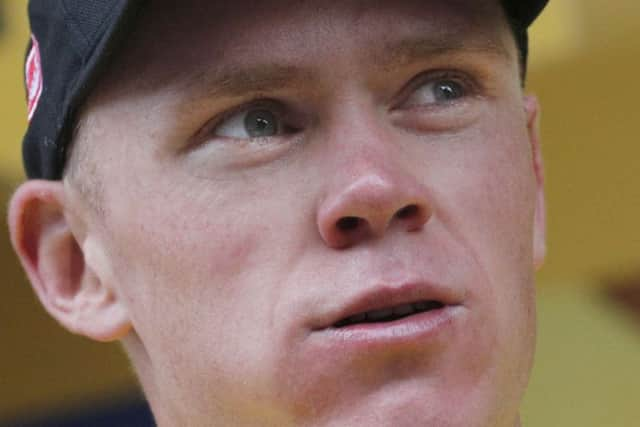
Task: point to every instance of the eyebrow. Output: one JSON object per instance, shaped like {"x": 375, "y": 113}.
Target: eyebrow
{"x": 406, "y": 51}
{"x": 233, "y": 82}
{"x": 237, "y": 81}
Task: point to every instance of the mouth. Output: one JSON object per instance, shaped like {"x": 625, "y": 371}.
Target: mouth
{"x": 386, "y": 306}
{"x": 385, "y": 316}
{"x": 389, "y": 313}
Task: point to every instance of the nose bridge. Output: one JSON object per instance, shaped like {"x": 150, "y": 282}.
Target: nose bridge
{"x": 371, "y": 189}
{"x": 362, "y": 147}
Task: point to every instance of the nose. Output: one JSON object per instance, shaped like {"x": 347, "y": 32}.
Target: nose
{"x": 370, "y": 206}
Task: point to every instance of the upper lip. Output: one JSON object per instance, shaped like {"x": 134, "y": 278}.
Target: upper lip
{"x": 387, "y": 296}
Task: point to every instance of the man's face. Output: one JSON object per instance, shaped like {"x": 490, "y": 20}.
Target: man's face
{"x": 271, "y": 171}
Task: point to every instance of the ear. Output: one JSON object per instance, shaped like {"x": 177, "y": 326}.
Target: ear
{"x": 532, "y": 109}
{"x": 63, "y": 271}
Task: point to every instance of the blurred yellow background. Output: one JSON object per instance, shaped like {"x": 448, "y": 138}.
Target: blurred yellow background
{"x": 585, "y": 67}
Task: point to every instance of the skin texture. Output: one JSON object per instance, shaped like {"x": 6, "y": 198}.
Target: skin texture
{"x": 217, "y": 258}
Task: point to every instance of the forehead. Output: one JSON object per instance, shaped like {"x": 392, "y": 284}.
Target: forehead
{"x": 171, "y": 40}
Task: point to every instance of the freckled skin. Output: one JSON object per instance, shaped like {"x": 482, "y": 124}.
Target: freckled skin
{"x": 222, "y": 255}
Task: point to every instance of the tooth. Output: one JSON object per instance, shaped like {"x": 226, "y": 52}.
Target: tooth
{"x": 403, "y": 310}
{"x": 379, "y": 314}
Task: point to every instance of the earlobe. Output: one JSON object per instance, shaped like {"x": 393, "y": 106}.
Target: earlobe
{"x": 67, "y": 285}
{"x": 532, "y": 110}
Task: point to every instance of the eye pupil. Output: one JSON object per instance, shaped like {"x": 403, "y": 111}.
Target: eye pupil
{"x": 261, "y": 123}
{"x": 448, "y": 91}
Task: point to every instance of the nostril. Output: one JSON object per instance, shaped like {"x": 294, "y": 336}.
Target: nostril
{"x": 408, "y": 212}
{"x": 348, "y": 223}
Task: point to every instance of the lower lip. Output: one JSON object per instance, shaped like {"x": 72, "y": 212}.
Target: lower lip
{"x": 419, "y": 328}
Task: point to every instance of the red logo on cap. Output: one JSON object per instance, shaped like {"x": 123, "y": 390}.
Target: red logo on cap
{"x": 33, "y": 75}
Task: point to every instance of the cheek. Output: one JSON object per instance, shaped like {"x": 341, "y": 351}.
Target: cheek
{"x": 488, "y": 200}
{"x": 175, "y": 246}
{"x": 494, "y": 202}
{"x": 504, "y": 245}
{"x": 181, "y": 265}
{"x": 205, "y": 287}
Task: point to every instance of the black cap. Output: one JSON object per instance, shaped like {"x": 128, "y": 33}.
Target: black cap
{"x": 72, "y": 41}
{"x": 524, "y": 12}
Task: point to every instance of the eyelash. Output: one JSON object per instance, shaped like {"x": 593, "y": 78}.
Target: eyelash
{"x": 257, "y": 102}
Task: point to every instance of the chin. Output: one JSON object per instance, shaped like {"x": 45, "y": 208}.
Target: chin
{"x": 416, "y": 403}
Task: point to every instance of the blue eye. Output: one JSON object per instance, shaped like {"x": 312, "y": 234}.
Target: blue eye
{"x": 434, "y": 92}
{"x": 260, "y": 123}
{"x": 447, "y": 90}
{"x": 252, "y": 123}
